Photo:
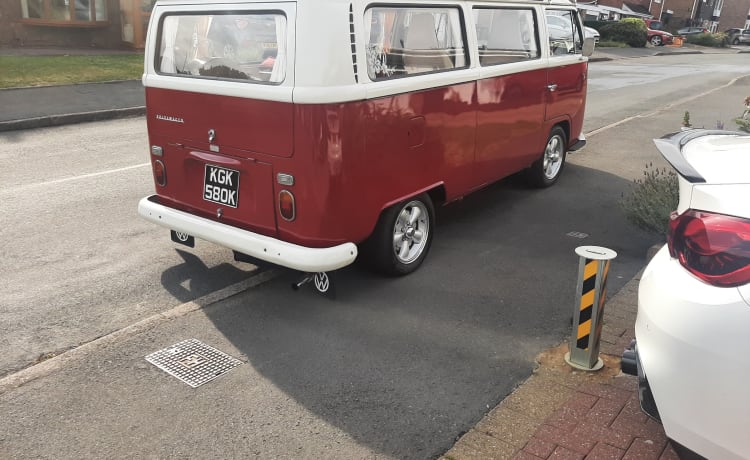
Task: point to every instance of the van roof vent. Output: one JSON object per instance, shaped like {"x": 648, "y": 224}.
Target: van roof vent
{"x": 352, "y": 41}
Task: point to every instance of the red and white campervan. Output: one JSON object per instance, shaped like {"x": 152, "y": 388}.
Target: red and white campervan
{"x": 303, "y": 133}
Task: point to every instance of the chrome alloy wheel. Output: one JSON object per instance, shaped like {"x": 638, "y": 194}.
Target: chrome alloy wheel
{"x": 411, "y": 232}
{"x": 552, "y": 161}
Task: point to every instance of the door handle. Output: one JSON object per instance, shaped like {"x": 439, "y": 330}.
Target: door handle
{"x": 552, "y": 87}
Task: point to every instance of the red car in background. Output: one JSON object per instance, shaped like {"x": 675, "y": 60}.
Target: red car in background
{"x": 655, "y": 35}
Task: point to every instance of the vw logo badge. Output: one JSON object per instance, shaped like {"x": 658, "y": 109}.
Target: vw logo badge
{"x": 182, "y": 236}
{"x": 322, "y": 283}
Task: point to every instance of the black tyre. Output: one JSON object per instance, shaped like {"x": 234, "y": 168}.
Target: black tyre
{"x": 656, "y": 40}
{"x": 547, "y": 169}
{"x": 402, "y": 237}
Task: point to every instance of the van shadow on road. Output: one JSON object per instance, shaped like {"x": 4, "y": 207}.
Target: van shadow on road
{"x": 405, "y": 365}
{"x": 194, "y": 278}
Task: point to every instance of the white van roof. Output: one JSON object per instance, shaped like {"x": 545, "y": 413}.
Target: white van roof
{"x": 336, "y": 73}
{"x": 367, "y": 2}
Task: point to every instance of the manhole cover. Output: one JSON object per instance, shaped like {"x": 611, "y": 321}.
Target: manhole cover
{"x": 193, "y": 362}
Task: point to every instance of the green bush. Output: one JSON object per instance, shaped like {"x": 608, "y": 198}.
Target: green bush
{"x": 714, "y": 40}
{"x": 652, "y": 200}
{"x": 631, "y": 31}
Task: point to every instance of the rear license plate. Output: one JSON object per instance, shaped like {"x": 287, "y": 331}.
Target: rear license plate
{"x": 221, "y": 185}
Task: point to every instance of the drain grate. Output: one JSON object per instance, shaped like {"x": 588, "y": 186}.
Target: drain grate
{"x": 193, "y": 362}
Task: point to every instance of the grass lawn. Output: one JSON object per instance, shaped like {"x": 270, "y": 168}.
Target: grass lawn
{"x": 18, "y": 71}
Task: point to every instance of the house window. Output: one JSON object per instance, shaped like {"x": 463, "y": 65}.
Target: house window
{"x": 64, "y": 12}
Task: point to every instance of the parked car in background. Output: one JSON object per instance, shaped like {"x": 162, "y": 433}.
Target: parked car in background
{"x": 740, "y": 38}
{"x": 685, "y": 31}
{"x": 691, "y": 350}
{"x": 563, "y": 24}
{"x": 591, "y": 32}
{"x": 655, "y": 35}
{"x": 653, "y": 24}
{"x": 659, "y": 37}
{"x": 732, "y": 33}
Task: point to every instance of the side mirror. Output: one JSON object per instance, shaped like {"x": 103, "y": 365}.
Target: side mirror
{"x": 588, "y": 46}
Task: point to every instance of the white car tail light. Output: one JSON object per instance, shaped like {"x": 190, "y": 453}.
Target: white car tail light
{"x": 713, "y": 247}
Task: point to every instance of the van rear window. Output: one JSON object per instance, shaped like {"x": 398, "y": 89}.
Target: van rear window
{"x": 406, "y": 41}
{"x": 248, "y": 47}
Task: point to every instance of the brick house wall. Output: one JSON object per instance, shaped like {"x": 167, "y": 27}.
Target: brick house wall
{"x": 15, "y": 33}
{"x": 734, "y": 13}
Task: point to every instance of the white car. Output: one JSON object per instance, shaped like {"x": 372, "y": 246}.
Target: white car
{"x": 692, "y": 349}
{"x": 591, "y": 32}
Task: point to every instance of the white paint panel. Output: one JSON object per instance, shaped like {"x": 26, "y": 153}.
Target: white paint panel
{"x": 730, "y": 199}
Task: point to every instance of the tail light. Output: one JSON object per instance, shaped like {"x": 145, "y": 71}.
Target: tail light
{"x": 286, "y": 205}
{"x": 713, "y": 247}
{"x": 160, "y": 173}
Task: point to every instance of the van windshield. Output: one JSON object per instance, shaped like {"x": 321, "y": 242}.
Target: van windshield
{"x": 246, "y": 46}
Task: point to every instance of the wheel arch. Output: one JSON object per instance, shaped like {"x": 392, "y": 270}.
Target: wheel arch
{"x": 436, "y": 192}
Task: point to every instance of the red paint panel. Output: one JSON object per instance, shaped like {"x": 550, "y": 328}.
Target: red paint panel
{"x": 248, "y": 126}
{"x": 447, "y": 123}
{"x": 568, "y": 101}
{"x": 510, "y": 120}
{"x": 353, "y": 159}
{"x": 185, "y": 180}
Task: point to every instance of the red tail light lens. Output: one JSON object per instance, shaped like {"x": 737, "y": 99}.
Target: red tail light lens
{"x": 713, "y": 247}
{"x": 160, "y": 173}
{"x": 286, "y": 205}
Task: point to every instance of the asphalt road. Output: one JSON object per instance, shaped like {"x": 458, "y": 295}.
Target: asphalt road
{"x": 393, "y": 367}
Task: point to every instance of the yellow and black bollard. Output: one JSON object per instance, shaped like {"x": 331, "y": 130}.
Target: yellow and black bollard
{"x": 591, "y": 293}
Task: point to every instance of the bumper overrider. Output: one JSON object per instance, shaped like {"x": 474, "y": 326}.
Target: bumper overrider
{"x": 271, "y": 250}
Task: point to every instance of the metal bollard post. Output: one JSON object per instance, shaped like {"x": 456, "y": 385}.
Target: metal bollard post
{"x": 591, "y": 293}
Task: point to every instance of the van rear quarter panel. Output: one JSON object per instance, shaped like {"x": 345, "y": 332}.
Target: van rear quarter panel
{"x": 354, "y": 159}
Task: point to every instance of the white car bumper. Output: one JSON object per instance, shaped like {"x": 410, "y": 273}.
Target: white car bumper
{"x": 261, "y": 247}
{"x": 693, "y": 342}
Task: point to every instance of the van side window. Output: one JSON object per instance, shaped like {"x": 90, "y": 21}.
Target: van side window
{"x": 407, "y": 41}
{"x": 565, "y": 35}
{"x": 245, "y": 46}
{"x": 506, "y": 35}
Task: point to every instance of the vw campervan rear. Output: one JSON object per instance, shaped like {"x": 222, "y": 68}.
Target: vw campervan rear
{"x": 305, "y": 133}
